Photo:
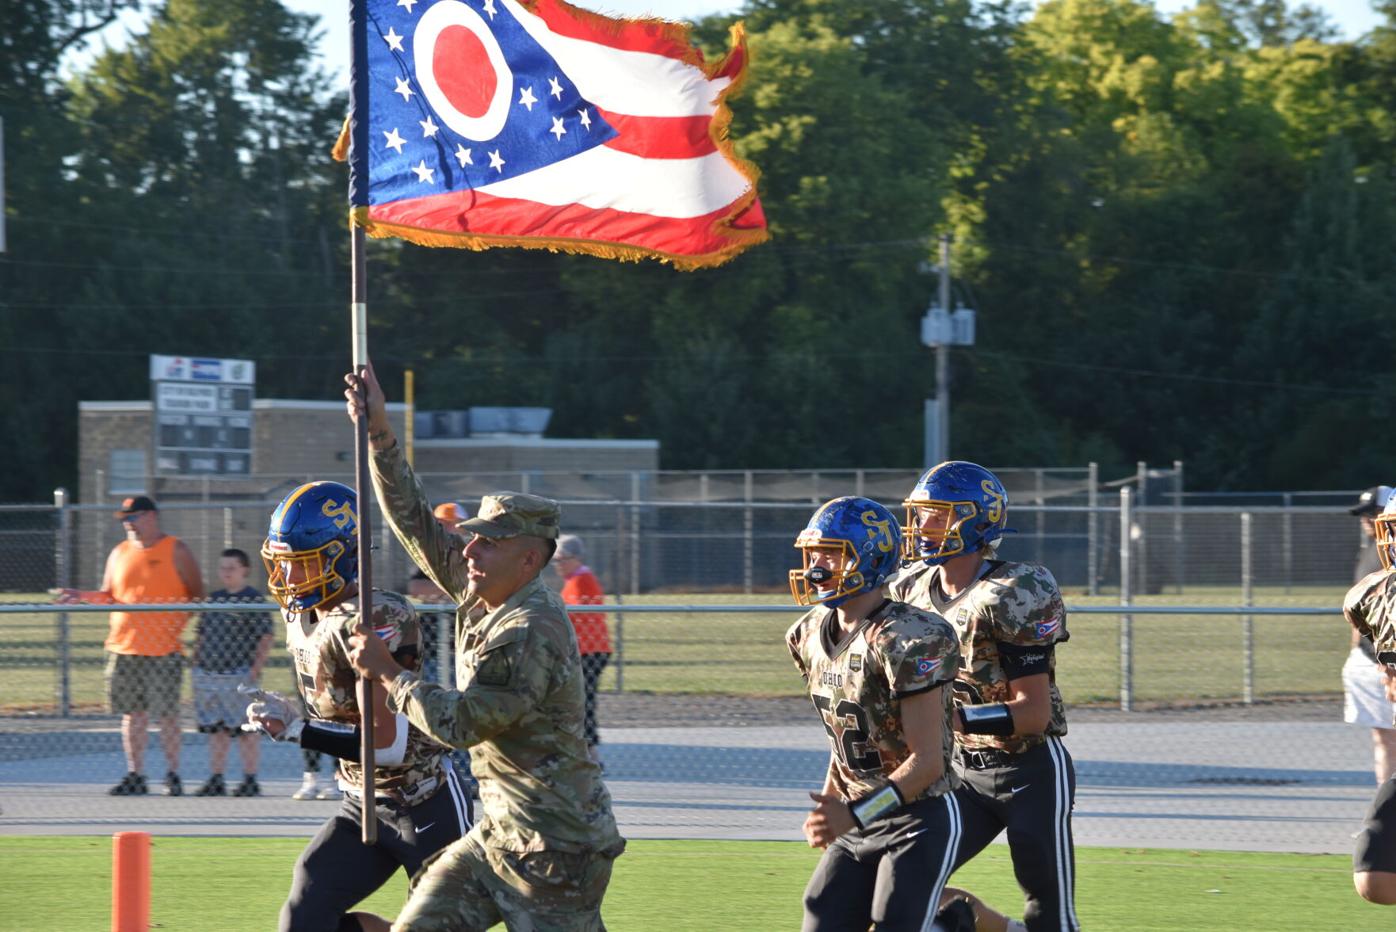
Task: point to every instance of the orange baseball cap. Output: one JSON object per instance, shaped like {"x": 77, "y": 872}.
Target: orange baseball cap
{"x": 449, "y": 511}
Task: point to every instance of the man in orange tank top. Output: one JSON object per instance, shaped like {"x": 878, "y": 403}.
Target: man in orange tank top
{"x": 145, "y": 665}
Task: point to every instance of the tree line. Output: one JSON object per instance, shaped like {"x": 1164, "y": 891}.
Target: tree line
{"x": 1177, "y": 232}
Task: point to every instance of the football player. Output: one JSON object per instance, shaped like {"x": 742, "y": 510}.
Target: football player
{"x": 311, "y": 555}
{"x": 1017, "y": 774}
{"x": 1370, "y": 607}
{"x": 878, "y": 673}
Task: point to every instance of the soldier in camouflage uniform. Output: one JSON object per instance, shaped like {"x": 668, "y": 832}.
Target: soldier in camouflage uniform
{"x": 312, "y": 567}
{"x": 878, "y": 673}
{"x": 540, "y": 857}
{"x": 1370, "y": 607}
{"x": 1017, "y": 774}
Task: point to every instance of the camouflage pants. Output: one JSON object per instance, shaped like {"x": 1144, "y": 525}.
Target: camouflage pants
{"x": 468, "y": 886}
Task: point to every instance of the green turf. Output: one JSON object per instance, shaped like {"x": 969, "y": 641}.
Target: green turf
{"x": 1176, "y": 658}
{"x": 233, "y": 884}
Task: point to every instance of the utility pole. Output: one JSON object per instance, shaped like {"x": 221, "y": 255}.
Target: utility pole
{"x": 943, "y": 326}
{"x": 943, "y": 361}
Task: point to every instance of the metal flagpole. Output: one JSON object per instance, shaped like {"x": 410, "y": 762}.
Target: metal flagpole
{"x": 358, "y": 196}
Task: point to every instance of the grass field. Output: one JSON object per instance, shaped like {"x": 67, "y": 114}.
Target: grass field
{"x": 1176, "y": 657}
{"x": 234, "y": 884}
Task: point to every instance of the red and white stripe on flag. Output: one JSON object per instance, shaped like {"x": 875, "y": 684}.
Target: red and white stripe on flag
{"x": 668, "y": 186}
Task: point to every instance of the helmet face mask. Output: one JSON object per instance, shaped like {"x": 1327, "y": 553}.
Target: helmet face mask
{"x": 1384, "y": 530}
{"x": 955, "y": 508}
{"x": 848, "y": 548}
{"x": 311, "y": 550}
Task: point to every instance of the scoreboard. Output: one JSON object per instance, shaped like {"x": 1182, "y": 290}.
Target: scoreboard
{"x": 203, "y": 415}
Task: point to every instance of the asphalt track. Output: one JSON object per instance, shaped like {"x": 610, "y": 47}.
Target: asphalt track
{"x": 1250, "y": 783}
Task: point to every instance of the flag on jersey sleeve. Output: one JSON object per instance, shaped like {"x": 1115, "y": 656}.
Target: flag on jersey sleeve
{"x": 481, "y": 123}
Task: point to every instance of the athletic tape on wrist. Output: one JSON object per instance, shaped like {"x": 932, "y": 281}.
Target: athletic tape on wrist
{"x": 876, "y": 805}
{"x": 996, "y": 718}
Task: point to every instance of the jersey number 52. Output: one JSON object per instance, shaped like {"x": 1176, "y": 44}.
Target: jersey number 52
{"x": 851, "y": 742}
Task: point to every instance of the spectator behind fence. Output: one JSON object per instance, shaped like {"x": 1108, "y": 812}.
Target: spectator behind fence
{"x": 145, "y": 666}
{"x": 448, "y": 515}
{"x": 230, "y": 650}
{"x": 1364, "y": 697}
{"x": 580, "y": 587}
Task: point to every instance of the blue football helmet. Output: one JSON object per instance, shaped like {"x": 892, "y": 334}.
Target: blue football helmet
{"x": 312, "y": 550}
{"x": 956, "y": 507}
{"x": 849, "y": 547}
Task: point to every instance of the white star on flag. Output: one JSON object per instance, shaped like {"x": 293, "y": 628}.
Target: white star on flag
{"x": 586, "y": 119}
{"x": 496, "y": 162}
{"x": 428, "y": 127}
{"x": 555, "y": 88}
{"x": 403, "y": 88}
{"x": 557, "y": 129}
{"x": 423, "y": 173}
{"x": 463, "y": 155}
{"x": 407, "y": 4}
{"x": 526, "y": 99}
{"x": 393, "y": 39}
{"x": 394, "y": 141}
{"x": 489, "y": 8}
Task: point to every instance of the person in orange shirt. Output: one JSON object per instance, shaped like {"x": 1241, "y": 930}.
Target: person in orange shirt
{"x": 145, "y": 665}
{"x": 580, "y": 587}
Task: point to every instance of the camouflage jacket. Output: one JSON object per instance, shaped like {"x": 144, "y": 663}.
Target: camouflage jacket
{"x": 858, "y": 682}
{"x": 1012, "y": 608}
{"x": 519, "y": 703}
{"x": 1370, "y": 607}
{"x": 327, "y": 682}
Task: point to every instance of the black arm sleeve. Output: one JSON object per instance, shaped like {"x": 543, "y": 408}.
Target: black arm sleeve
{"x": 337, "y": 740}
{"x": 1020, "y": 660}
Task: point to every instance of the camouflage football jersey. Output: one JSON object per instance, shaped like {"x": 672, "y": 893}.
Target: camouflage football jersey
{"x": 857, "y": 685}
{"x": 519, "y": 702}
{"x": 1370, "y": 607}
{"x": 319, "y": 647}
{"x": 1016, "y": 605}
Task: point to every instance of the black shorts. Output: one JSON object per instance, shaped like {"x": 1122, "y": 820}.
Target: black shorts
{"x": 891, "y": 875}
{"x": 1376, "y": 845}
{"x": 337, "y": 870}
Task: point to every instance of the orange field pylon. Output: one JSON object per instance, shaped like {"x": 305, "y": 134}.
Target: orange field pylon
{"x": 130, "y": 882}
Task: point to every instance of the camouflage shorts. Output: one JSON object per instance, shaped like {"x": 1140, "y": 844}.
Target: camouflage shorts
{"x": 467, "y": 886}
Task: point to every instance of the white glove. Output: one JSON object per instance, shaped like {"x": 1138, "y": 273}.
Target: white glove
{"x": 272, "y": 705}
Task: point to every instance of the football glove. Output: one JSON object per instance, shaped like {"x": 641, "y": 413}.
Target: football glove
{"x": 273, "y": 705}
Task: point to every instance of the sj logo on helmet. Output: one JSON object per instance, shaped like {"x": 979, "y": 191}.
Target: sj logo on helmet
{"x": 880, "y": 530}
{"x": 995, "y": 510}
{"x": 343, "y": 514}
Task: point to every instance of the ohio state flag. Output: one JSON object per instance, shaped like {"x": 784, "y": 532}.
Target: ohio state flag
{"x": 481, "y": 123}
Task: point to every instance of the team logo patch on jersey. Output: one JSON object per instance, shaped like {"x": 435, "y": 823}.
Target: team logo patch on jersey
{"x": 927, "y": 665}
{"x": 1044, "y": 628}
{"x": 855, "y": 662}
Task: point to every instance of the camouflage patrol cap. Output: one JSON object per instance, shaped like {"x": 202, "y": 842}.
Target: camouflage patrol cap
{"x": 510, "y": 514}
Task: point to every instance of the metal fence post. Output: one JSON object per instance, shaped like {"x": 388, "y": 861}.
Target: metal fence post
{"x": 228, "y": 527}
{"x": 634, "y": 533}
{"x": 1287, "y": 540}
{"x": 1093, "y": 531}
{"x": 1247, "y": 623}
{"x": 445, "y": 665}
{"x": 1141, "y": 544}
{"x": 1178, "y": 557}
{"x": 1126, "y": 621}
{"x": 62, "y": 546}
{"x": 1041, "y": 515}
{"x": 748, "y": 532}
{"x": 620, "y": 646}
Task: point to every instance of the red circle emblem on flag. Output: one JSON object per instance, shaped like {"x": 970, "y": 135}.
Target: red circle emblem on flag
{"x": 462, "y": 70}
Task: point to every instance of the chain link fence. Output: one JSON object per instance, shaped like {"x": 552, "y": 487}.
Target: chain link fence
{"x": 1181, "y": 616}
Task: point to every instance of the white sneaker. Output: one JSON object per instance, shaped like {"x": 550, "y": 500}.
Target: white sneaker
{"x": 309, "y": 784}
{"x": 330, "y": 792}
